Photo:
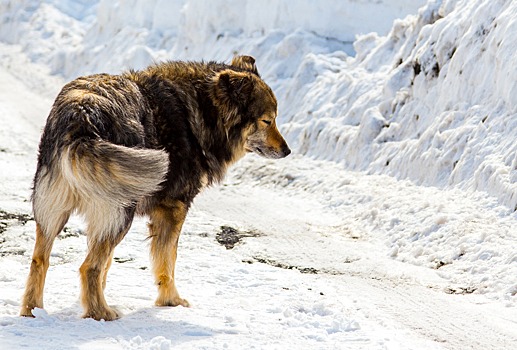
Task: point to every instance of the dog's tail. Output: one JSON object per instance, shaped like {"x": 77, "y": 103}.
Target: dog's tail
{"x": 100, "y": 170}
{"x": 98, "y": 179}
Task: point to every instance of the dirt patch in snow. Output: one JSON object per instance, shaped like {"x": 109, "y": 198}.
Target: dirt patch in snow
{"x": 229, "y": 236}
{"x": 8, "y": 219}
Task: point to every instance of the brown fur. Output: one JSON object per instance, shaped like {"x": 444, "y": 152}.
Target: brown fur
{"x": 165, "y": 230}
{"x": 143, "y": 143}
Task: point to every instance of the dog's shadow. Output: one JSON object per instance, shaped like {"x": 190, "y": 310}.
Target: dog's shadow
{"x": 64, "y": 330}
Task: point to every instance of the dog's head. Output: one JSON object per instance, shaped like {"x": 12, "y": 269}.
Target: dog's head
{"x": 250, "y": 108}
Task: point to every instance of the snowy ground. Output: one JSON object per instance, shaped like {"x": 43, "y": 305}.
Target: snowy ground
{"x": 337, "y": 252}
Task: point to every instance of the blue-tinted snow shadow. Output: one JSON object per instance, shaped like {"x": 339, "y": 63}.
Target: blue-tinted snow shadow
{"x": 65, "y": 330}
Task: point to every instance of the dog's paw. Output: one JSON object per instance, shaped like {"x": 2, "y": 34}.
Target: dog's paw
{"x": 108, "y": 314}
{"x": 172, "y": 302}
{"x": 26, "y": 312}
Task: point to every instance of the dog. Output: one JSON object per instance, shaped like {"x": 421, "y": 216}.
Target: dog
{"x": 142, "y": 143}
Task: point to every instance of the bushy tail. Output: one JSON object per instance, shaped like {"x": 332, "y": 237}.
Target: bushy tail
{"x": 99, "y": 170}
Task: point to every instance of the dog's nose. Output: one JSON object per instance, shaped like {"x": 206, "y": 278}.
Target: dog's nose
{"x": 286, "y": 151}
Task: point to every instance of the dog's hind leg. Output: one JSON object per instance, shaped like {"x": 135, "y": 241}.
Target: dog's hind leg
{"x": 165, "y": 228}
{"x": 95, "y": 267}
{"x": 92, "y": 281}
{"x": 52, "y": 202}
{"x": 33, "y": 296}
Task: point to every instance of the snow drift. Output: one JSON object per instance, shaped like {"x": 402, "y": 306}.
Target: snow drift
{"x": 433, "y": 101}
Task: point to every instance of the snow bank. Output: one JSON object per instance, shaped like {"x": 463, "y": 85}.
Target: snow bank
{"x": 433, "y": 101}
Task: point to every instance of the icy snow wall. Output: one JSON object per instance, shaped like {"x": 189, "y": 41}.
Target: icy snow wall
{"x": 434, "y": 101}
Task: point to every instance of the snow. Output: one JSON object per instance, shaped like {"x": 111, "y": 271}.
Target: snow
{"x": 392, "y": 225}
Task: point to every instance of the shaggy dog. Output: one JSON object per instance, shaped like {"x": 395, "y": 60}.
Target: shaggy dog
{"x": 143, "y": 142}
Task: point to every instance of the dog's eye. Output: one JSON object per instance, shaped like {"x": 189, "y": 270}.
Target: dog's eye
{"x": 268, "y": 122}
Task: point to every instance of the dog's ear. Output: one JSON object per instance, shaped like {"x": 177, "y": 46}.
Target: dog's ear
{"x": 231, "y": 93}
{"x": 245, "y": 62}
{"x": 237, "y": 86}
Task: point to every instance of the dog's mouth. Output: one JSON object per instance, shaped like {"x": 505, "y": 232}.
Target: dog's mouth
{"x": 256, "y": 150}
{"x": 267, "y": 152}
{"x": 259, "y": 152}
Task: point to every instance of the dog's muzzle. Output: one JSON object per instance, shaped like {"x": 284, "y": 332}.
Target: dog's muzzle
{"x": 272, "y": 153}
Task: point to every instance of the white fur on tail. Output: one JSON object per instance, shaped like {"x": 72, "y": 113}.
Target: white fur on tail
{"x": 99, "y": 180}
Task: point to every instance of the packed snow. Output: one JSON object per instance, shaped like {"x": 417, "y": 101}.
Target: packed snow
{"x": 392, "y": 225}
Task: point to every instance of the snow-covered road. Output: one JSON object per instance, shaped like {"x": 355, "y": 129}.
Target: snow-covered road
{"x": 328, "y": 258}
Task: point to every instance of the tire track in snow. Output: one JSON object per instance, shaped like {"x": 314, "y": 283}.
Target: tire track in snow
{"x": 297, "y": 231}
{"x": 454, "y": 321}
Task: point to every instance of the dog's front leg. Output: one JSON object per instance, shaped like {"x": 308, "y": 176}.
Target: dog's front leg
{"x": 165, "y": 228}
